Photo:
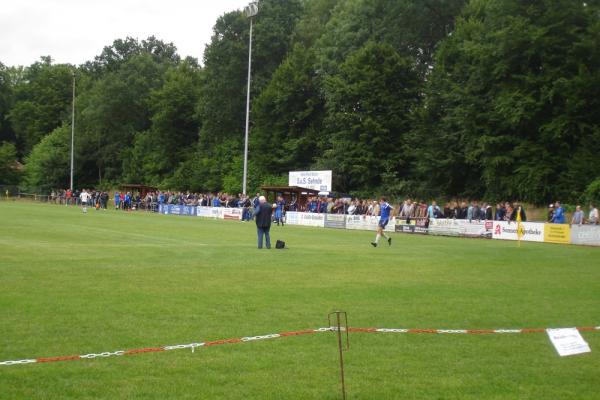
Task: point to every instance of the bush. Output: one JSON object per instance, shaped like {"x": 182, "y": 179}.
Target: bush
{"x": 592, "y": 192}
{"x": 47, "y": 166}
{"x": 9, "y": 173}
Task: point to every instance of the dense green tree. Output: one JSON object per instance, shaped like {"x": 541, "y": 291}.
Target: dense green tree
{"x": 158, "y": 151}
{"x": 412, "y": 27}
{"x": 41, "y": 102}
{"x": 397, "y": 96}
{"x": 112, "y": 112}
{"x": 288, "y": 116}
{"x": 222, "y": 104}
{"x": 509, "y": 109}
{"x": 9, "y": 171}
{"x": 122, "y": 50}
{"x": 369, "y": 107}
{"x": 6, "y": 103}
{"x": 47, "y": 166}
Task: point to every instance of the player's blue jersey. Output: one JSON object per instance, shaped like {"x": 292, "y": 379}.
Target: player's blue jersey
{"x": 386, "y": 209}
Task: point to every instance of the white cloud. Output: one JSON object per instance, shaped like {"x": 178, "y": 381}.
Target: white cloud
{"x": 74, "y": 31}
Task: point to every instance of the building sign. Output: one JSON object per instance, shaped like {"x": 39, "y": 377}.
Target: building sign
{"x": 316, "y": 180}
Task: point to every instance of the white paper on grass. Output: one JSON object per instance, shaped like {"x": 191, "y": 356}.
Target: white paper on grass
{"x": 568, "y": 341}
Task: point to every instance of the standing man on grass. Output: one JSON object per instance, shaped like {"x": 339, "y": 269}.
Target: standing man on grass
{"x": 262, "y": 215}
{"x": 386, "y": 211}
{"x": 85, "y": 198}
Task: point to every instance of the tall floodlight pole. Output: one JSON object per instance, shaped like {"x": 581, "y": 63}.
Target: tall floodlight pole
{"x": 72, "y": 129}
{"x": 251, "y": 10}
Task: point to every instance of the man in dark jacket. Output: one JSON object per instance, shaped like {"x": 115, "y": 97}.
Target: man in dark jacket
{"x": 518, "y": 210}
{"x": 262, "y": 215}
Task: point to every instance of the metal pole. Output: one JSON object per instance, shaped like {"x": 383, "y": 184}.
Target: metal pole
{"x": 339, "y": 332}
{"x": 247, "y": 113}
{"x": 340, "y": 345}
{"x": 72, "y": 130}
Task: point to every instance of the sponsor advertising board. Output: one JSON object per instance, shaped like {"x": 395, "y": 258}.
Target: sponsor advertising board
{"x": 505, "y": 230}
{"x": 414, "y": 225}
{"x": 335, "y": 221}
{"x": 557, "y": 233}
{"x": 171, "y": 209}
{"x": 367, "y": 223}
{"x": 316, "y": 180}
{"x": 204, "y": 212}
{"x": 232, "y": 213}
{"x": 460, "y": 227}
{"x": 306, "y": 219}
{"x": 585, "y": 234}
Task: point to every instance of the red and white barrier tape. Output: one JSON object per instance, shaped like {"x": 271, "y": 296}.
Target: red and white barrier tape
{"x": 193, "y": 346}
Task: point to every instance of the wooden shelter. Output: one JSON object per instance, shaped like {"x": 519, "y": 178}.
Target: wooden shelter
{"x": 288, "y": 193}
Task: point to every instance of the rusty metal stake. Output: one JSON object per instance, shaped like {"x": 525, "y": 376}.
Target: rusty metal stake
{"x": 339, "y": 327}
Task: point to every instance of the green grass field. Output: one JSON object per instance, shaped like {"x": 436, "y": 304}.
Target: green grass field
{"x": 76, "y": 284}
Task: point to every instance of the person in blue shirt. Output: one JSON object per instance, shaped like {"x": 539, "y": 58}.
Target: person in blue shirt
{"x": 127, "y": 201}
{"x": 280, "y": 204}
{"x": 323, "y": 206}
{"x": 216, "y": 202}
{"x": 312, "y": 206}
{"x": 432, "y": 210}
{"x": 117, "y": 200}
{"x": 384, "y": 219}
{"x": 559, "y": 214}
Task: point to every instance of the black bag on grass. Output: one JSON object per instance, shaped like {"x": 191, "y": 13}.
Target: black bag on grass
{"x": 280, "y": 244}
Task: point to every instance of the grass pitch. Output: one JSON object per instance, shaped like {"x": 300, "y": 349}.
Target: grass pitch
{"x": 75, "y": 284}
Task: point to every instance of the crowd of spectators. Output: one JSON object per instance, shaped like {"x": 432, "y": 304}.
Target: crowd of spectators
{"x": 408, "y": 209}
{"x": 67, "y": 197}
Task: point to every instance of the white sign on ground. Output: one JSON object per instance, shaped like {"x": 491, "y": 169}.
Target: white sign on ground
{"x": 568, "y": 341}
{"x": 316, "y": 180}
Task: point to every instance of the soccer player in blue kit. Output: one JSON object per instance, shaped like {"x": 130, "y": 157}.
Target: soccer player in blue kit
{"x": 386, "y": 211}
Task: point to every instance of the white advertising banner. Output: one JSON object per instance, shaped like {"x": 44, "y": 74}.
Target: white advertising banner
{"x": 367, "y": 223}
{"x": 292, "y": 218}
{"x": 504, "y": 230}
{"x": 588, "y": 235}
{"x": 316, "y": 180}
{"x": 204, "y": 212}
{"x": 232, "y": 213}
{"x": 460, "y": 227}
{"x": 306, "y": 219}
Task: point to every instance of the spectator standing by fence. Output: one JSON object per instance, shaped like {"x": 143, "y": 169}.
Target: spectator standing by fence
{"x": 550, "y": 213}
{"x": 559, "y": 214}
{"x": 577, "y": 218}
{"x": 500, "y": 212}
{"x": 432, "y": 210}
{"x": 593, "y": 216}
{"x": 518, "y": 210}
{"x": 462, "y": 211}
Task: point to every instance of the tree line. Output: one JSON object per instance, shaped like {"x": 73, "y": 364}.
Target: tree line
{"x": 494, "y": 99}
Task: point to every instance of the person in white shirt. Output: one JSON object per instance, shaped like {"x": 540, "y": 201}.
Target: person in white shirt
{"x": 85, "y": 198}
{"x": 593, "y": 216}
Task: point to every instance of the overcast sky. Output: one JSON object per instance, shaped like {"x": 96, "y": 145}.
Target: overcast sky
{"x": 74, "y": 31}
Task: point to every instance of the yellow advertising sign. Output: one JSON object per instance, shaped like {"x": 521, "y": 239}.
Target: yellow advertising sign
{"x": 557, "y": 233}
